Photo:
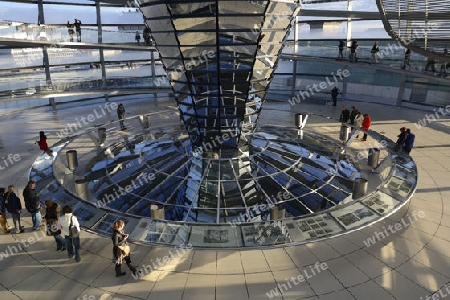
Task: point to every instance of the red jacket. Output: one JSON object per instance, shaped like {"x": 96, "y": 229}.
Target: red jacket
{"x": 43, "y": 143}
{"x": 366, "y": 124}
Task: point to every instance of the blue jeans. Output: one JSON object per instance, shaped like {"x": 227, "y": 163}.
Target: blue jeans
{"x": 70, "y": 245}
{"x": 60, "y": 242}
{"x": 36, "y": 218}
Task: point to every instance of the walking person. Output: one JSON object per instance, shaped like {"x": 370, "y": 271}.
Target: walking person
{"x": 121, "y": 116}
{"x": 355, "y": 128}
{"x": 69, "y": 223}
{"x": 406, "y": 59}
{"x": 43, "y": 143}
{"x": 121, "y": 250}
{"x": 78, "y": 29}
{"x": 341, "y": 50}
{"x": 365, "y": 126}
{"x": 374, "y": 51}
{"x": 444, "y": 65}
{"x": 14, "y": 207}
{"x": 3, "y": 212}
{"x": 345, "y": 115}
{"x": 70, "y": 30}
{"x": 334, "y": 94}
{"x": 52, "y": 214}
{"x": 430, "y": 64}
{"x": 137, "y": 37}
{"x": 409, "y": 141}
{"x": 33, "y": 204}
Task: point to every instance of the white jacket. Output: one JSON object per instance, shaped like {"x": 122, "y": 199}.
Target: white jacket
{"x": 64, "y": 223}
{"x": 358, "y": 121}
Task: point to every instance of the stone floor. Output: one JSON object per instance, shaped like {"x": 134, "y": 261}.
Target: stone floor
{"x": 411, "y": 263}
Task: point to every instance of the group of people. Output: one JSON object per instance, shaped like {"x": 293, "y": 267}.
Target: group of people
{"x": 405, "y": 140}
{"x": 362, "y": 122}
{"x": 354, "y": 50}
{"x": 71, "y": 31}
{"x": 359, "y": 122}
{"x": 146, "y": 34}
{"x": 60, "y": 224}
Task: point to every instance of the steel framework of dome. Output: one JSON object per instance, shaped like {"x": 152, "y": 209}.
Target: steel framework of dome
{"x": 422, "y": 26}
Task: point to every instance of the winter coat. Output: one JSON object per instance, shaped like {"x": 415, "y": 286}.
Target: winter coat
{"x": 366, "y": 124}
{"x": 409, "y": 141}
{"x": 14, "y": 205}
{"x": 32, "y": 203}
{"x": 358, "y": 121}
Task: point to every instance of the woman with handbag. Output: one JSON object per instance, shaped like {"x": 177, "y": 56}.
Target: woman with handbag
{"x": 51, "y": 218}
{"x": 70, "y": 229}
{"x": 121, "y": 250}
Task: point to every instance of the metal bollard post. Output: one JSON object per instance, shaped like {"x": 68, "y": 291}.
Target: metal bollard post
{"x": 373, "y": 158}
{"x": 101, "y": 131}
{"x": 344, "y": 133}
{"x": 359, "y": 188}
{"x": 72, "y": 160}
{"x": 82, "y": 189}
{"x": 156, "y": 212}
{"x": 145, "y": 119}
{"x": 300, "y": 120}
{"x": 277, "y": 212}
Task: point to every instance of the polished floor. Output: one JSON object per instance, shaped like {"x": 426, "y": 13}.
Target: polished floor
{"x": 410, "y": 261}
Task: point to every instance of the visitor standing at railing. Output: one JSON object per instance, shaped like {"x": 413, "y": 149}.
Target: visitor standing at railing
{"x": 374, "y": 51}
{"x": 444, "y": 65}
{"x": 146, "y": 35}
{"x": 341, "y": 50}
{"x": 78, "y": 29}
{"x": 430, "y": 64}
{"x": 353, "y": 51}
{"x": 406, "y": 59}
{"x": 70, "y": 30}
{"x": 137, "y": 37}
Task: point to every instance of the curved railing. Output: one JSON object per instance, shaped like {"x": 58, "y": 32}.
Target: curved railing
{"x": 398, "y": 183}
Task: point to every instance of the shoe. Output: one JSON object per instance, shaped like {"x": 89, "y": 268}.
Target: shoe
{"x": 63, "y": 248}
{"x": 57, "y": 249}
{"x": 363, "y": 140}
{"x": 22, "y": 231}
{"x": 18, "y": 231}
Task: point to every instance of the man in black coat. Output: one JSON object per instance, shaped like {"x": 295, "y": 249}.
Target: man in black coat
{"x": 353, "y": 114}
{"x": 345, "y": 115}
{"x": 33, "y": 204}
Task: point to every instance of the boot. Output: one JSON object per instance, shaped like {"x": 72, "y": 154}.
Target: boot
{"x": 119, "y": 272}
{"x": 130, "y": 266}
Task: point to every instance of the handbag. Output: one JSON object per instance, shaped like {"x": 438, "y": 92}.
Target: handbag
{"x": 73, "y": 230}
{"x": 52, "y": 229}
{"x": 125, "y": 249}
